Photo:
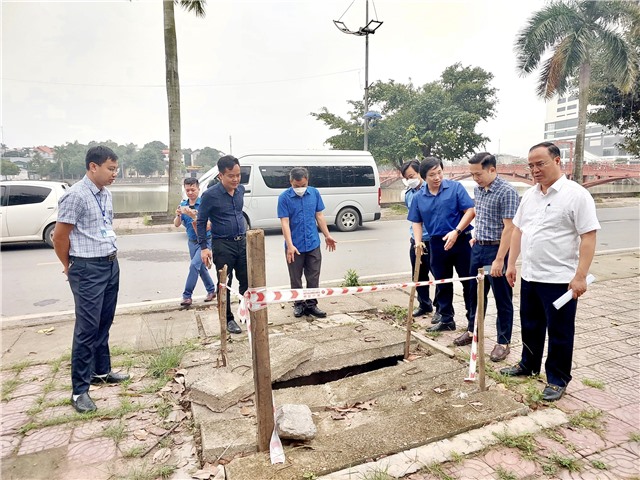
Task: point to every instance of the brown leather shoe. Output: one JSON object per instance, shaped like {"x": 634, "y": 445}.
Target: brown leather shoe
{"x": 499, "y": 352}
{"x": 465, "y": 339}
{"x": 210, "y": 296}
{"x": 186, "y": 302}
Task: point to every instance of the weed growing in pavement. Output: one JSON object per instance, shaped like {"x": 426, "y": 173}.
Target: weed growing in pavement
{"x": 378, "y": 475}
{"x": 456, "y": 457}
{"x": 436, "y": 470}
{"x": 167, "y": 358}
{"x": 117, "y": 350}
{"x": 147, "y": 472}
{"x": 351, "y": 279}
{"x": 532, "y": 394}
{"x": 20, "y": 366}
{"x": 8, "y": 388}
{"x": 133, "y": 452}
{"x": 398, "y": 209}
{"x": 397, "y": 312}
{"x": 589, "y": 418}
{"x": 164, "y": 409}
{"x": 593, "y": 383}
{"x": 599, "y": 465}
{"x": 116, "y": 432}
{"x": 505, "y": 474}
{"x": 549, "y": 469}
{"x": 554, "y": 435}
{"x": 309, "y": 476}
{"x": 147, "y": 220}
{"x": 568, "y": 463}
{"x": 525, "y": 443}
{"x": 634, "y": 437}
{"x": 500, "y": 378}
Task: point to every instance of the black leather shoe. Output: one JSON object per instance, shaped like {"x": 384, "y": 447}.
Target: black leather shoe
{"x": 420, "y": 311}
{"x": 111, "y": 377}
{"x": 551, "y": 393}
{"x": 233, "y": 327}
{"x": 515, "y": 371}
{"x": 83, "y": 404}
{"x": 442, "y": 326}
{"x": 315, "y": 311}
{"x": 437, "y": 318}
{"x": 298, "y": 310}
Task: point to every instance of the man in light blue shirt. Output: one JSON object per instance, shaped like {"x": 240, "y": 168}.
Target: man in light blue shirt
{"x": 300, "y": 212}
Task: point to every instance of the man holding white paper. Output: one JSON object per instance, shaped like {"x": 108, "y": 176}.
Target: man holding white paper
{"x": 555, "y": 232}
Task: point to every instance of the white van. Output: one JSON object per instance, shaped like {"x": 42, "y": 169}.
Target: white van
{"x": 347, "y": 180}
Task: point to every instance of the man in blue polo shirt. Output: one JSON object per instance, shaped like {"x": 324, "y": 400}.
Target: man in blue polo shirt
{"x": 446, "y": 209}
{"x": 186, "y": 215}
{"x": 299, "y": 210}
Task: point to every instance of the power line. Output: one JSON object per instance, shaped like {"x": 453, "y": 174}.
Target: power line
{"x": 182, "y": 85}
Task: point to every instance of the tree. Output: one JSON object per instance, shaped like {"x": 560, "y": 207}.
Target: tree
{"x": 173, "y": 93}
{"x": 149, "y": 161}
{"x": 573, "y": 33}
{"x": 8, "y": 168}
{"x": 208, "y": 157}
{"x": 40, "y": 166}
{"x": 438, "y": 118}
{"x": 70, "y": 160}
{"x": 618, "y": 111}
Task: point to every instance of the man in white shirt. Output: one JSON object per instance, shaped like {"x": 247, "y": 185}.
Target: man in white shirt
{"x": 555, "y": 232}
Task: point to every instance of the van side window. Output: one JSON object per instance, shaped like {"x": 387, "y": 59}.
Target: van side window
{"x": 322, "y": 176}
{"x": 26, "y": 194}
{"x": 245, "y": 173}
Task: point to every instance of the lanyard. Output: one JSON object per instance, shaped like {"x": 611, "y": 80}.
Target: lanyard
{"x": 102, "y": 209}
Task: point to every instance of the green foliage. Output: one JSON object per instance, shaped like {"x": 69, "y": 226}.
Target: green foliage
{"x": 589, "y": 418}
{"x": 167, "y": 358}
{"x": 634, "y": 437}
{"x": 40, "y": 166}
{"x": 149, "y": 161}
{"x": 525, "y": 442}
{"x": 351, "y": 279}
{"x": 438, "y": 118}
{"x": 593, "y": 383}
{"x": 8, "y": 168}
{"x": 599, "y": 465}
{"x": 569, "y": 463}
{"x": 208, "y": 157}
{"x": 505, "y": 474}
{"x": 398, "y": 313}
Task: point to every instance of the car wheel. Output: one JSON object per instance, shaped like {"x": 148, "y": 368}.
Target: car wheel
{"x": 348, "y": 219}
{"x": 48, "y": 234}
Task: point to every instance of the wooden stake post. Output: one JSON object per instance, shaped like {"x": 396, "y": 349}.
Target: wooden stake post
{"x": 480, "y": 320}
{"x": 222, "y": 313}
{"x": 412, "y": 296}
{"x": 260, "y": 341}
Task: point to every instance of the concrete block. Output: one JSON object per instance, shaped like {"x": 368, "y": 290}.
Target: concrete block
{"x": 225, "y": 439}
{"x": 295, "y": 422}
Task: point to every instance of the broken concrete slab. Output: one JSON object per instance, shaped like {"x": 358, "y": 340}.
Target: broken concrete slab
{"x": 226, "y": 439}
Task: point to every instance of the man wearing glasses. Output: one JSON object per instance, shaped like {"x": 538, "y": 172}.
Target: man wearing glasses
{"x": 555, "y": 232}
{"x": 85, "y": 243}
{"x": 222, "y": 205}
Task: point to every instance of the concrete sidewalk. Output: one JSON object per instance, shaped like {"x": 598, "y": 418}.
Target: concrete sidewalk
{"x": 42, "y": 437}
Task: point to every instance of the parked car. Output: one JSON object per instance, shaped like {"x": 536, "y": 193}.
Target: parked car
{"x": 29, "y": 210}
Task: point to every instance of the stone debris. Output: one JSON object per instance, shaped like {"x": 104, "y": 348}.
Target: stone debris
{"x": 294, "y": 422}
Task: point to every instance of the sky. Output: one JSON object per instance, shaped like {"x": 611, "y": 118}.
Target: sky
{"x": 251, "y": 72}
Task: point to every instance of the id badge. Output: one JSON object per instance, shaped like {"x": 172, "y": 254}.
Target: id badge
{"x": 107, "y": 232}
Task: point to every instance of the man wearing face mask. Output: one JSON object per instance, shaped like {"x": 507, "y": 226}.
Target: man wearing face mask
{"x": 411, "y": 178}
{"x": 299, "y": 210}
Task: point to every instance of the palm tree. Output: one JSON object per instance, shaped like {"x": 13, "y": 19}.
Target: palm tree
{"x": 574, "y": 33}
{"x": 173, "y": 93}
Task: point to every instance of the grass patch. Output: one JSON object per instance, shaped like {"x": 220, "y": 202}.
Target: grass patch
{"x": 148, "y": 472}
{"x": 378, "y": 475}
{"x": 505, "y": 474}
{"x": 115, "y": 432}
{"x": 550, "y": 469}
{"x": 634, "y": 437}
{"x": 153, "y": 387}
{"x": 8, "y": 388}
{"x": 398, "y": 313}
{"x": 456, "y": 457}
{"x": 398, "y": 209}
{"x": 436, "y": 470}
{"x": 117, "y": 350}
{"x": 593, "y": 383}
{"x": 599, "y": 465}
{"x": 568, "y": 463}
{"x": 589, "y": 418}
{"x": 525, "y": 443}
{"x": 133, "y": 452}
{"x": 351, "y": 279}
{"x": 162, "y": 361}
{"x": 532, "y": 394}
{"x": 20, "y": 366}
{"x": 500, "y": 378}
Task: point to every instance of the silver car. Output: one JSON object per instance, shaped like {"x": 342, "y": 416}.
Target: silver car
{"x": 29, "y": 210}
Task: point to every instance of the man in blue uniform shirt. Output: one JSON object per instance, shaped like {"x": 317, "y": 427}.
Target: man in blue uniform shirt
{"x": 299, "y": 210}
{"x": 446, "y": 209}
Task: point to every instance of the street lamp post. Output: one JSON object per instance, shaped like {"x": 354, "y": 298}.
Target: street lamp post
{"x": 369, "y": 28}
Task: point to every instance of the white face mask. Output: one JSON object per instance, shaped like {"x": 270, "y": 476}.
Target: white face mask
{"x": 412, "y": 183}
{"x": 300, "y": 190}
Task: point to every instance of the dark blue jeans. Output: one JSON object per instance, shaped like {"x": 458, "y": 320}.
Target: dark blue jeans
{"x": 442, "y": 264}
{"x": 482, "y": 255}
{"x": 423, "y": 275}
{"x": 197, "y": 268}
{"x": 94, "y": 284}
{"x": 233, "y": 254}
{"x": 537, "y": 317}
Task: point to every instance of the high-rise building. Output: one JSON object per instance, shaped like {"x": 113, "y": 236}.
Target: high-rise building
{"x": 561, "y": 126}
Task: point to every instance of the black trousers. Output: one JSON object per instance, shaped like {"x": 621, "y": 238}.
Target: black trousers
{"x": 308, "y": 263}
{"x": 95, "y": 285}
{"x": 233, "y": 254}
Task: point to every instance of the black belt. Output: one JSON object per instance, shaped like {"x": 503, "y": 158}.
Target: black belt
{"x": 486, "y": 243}
{"x": 108, "y": 258}
{"x": 237, "y": 238}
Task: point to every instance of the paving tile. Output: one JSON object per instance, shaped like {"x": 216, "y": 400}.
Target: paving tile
{"x": 94, "y": 450}
{"x": 620, "y": 462}
{"x": 633, "y": 447}
{"x": 57, "y": 395}
{"x": 629, "y": 414}
{"x": 54, "y": 412}
{"x": 616, "y": 430}
{"x": 570, "y": 404}
{"x": 8, "y": 444}
{"x": 18, "y": 405}
{"x": 45, "y": 439}
{"x": 470, "y": 468}
{"x": 91, "y": 429}
{"x": 511, "y": 460}
{"x": 628, "y": 362}
{"x": 103, "y": 392}
{"x": 598, "y": 399}
{"x": 40, "y": 373}
{"x": 12, "y": 422}
{"x": 584, "y": 440}
{"x": 614, "y": 371}
{"x": 626, "y": 391}
{"x": 547, "y": 446}
{"x": 587, "y": 472}
{"x": 28, "y": 389}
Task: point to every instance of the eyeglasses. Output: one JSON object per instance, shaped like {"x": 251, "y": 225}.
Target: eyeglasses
{"x": 115, "y": 170}
{"x": 538, "y": 165}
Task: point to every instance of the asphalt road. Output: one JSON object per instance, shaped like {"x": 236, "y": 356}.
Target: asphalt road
{"x": 154, "y": 266}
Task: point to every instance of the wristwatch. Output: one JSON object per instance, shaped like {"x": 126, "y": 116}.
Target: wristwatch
{"x": 458, "y": 231}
